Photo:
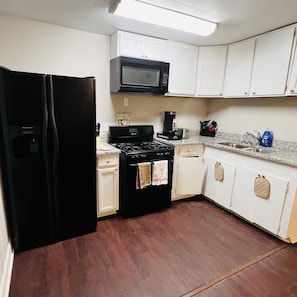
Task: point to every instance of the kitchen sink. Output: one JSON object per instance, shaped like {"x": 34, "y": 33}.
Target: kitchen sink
{"x": 235, "y": 145}
{"x": 254, "y": 149}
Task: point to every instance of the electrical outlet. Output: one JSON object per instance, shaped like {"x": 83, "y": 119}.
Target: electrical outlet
{"x": 126, "y": 101}
{"x": 105, "y": 127}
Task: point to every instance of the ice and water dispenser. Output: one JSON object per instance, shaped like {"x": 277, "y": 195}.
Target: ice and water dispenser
{"x": 26, "y": 140}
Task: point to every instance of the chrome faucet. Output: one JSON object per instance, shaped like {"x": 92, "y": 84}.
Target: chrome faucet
{"x": 251, "y": 135}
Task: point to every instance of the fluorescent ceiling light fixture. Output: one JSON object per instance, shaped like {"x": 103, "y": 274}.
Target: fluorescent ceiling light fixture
{"x": 156, "y": 15}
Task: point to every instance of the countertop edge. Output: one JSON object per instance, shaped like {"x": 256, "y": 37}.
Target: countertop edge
{"x": 106, "y": 149}
{"x": 277, "y": 155}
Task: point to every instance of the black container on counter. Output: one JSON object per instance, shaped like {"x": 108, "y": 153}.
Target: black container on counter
{"x": 208, "y": 128}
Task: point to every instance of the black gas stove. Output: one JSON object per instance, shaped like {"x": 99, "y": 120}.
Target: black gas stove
{"x": 141, "y": 146}
{"x": 137, "y": 143}
{"x": 145, "y": 151}
{"x": 138, "y": 149}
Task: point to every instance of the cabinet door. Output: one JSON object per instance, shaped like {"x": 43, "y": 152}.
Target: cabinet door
{"x": 211, "y": 70}
{"x": 239, "y": 68}
{"x": 243, "y": 197}
{"x": 292, "y": 83}
{"x": 264, "y": 212}
{"x": 189, "y": 175}
{"x": 130, "y": 45}
{"x": 268, "y": 211}
{"x": 155, "y": 49}
{"x": 108, "y": 196}
{"x": 271, "y": 63}
{"x": 189, "y": 168}
{"x": 138, "y": 46}
{"x": 183, "y": 60}
{"x": 219, "y": 191}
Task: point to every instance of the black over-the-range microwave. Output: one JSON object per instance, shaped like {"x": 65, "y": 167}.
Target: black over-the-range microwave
{"x": 138, "y": 75}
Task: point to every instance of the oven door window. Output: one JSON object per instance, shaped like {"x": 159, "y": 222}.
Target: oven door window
{"x": 140, "y": 76}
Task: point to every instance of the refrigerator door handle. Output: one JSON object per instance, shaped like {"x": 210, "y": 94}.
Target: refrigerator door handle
{"x": 52, "y": 118}
{"x": 46, "y": 157}
{"x": 55, "y": 153}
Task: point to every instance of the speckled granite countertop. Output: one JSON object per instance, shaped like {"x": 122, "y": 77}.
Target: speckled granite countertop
{"x": 282, "y": 152}
{"x": 106, "y": 149}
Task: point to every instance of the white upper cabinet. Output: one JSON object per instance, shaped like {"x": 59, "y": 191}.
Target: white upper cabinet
{"x": 211, "y": 70}
{"x": 292, "y": 82}
{"x": 271, "y": 63}
{"x": 183, "y": 60}
{"x": 239, "y": 68}
{"x": 262, "y": 66}
{"x": 138, "y": 46}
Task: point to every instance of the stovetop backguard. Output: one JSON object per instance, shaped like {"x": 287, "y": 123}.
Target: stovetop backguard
{"x": 132, "y": 133}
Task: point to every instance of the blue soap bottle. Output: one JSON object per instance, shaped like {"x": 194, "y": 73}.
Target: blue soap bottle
{"x": 267, "y": 138}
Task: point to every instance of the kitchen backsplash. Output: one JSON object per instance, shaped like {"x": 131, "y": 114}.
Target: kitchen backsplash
{"x": 281, "y": 144}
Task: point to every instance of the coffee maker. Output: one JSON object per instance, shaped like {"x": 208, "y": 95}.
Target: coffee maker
{"x": 169, "y": 126}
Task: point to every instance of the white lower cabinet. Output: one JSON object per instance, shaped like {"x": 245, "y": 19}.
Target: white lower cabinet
{"x": 187, "y": 171}
{"x": 274, "y": 210}
{"x": 219, "y": 189}
{"x": 265, "y": 212}
{"x": 108, "y": 184}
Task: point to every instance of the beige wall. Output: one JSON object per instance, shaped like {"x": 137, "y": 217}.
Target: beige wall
{"x": 149, "y": 109}
{"x": 43, "y": 48}
{"x": 242, "y": 115}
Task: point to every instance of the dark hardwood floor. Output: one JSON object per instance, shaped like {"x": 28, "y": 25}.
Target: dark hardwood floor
{"x": 193, "y": 248}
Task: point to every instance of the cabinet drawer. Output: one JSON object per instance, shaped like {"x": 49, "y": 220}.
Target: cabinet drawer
{"x": 191, "y": 150}
{"x": 107, "y": 161}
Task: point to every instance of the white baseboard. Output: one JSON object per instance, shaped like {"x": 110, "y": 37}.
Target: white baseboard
{"x": 7, "y": 272}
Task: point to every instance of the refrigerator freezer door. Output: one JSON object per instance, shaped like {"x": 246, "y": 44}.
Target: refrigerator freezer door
{"x": 27, "y": 190}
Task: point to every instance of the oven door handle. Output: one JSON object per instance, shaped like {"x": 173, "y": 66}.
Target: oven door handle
{"x": 136, "y": 164}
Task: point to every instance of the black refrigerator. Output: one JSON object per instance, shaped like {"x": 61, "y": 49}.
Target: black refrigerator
{"x": 48, "y": 157}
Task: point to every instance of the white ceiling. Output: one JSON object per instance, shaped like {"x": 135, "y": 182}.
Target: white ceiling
{"x": 237, "y": 19}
